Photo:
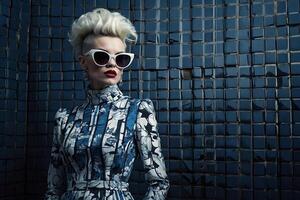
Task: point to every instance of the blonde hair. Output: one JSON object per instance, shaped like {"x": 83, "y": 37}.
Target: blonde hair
{"x": 101, "y": 22}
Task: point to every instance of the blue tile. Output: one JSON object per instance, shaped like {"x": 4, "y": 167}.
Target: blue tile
{"x": 294, "y": 19}
{"x": 295, "y": 57}
{"x": 269, "y": 21}
{"x": 257, "y": 9}
{"x": 281, "y": 7}
{"x": 294, "y": 43}
{"x": 295, "y": 104}
{"x": 230, "y": 60}
{"x": 257, "y": 45}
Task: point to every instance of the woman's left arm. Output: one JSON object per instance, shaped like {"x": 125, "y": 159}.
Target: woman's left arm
{"x": 56, "y": 171}
{"x": 149, "y": 146}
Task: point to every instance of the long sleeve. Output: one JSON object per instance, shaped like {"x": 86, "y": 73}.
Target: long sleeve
{"x": 149, "y": 146}
{"x": 56, "y": 171}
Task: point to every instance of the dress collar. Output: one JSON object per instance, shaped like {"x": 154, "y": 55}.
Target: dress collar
{"x": 107, "y": 94}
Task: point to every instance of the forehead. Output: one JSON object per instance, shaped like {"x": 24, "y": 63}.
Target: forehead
{"x": 109, "y": 43}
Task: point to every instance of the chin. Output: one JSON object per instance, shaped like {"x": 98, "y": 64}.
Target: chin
{"x": 111, "y": 82}
{"x": 107, "y": 82}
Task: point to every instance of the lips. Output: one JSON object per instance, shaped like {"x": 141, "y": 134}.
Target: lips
{"x": 110, "y": 73}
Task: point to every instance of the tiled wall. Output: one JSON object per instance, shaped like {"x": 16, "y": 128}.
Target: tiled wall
{"x": 14, "y": 37}
{"x": 224, "y": 76}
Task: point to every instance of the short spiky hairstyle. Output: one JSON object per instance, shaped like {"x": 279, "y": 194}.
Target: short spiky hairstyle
{"x": 101, "y": 22}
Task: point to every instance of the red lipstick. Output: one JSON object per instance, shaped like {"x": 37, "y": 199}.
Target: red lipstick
{"x": 110, "y": 73}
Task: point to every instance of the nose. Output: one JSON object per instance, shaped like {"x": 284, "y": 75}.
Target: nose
{"x": 111, "y": 62}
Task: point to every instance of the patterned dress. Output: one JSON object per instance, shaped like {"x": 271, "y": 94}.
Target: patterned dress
{"x": 95, "y": 146}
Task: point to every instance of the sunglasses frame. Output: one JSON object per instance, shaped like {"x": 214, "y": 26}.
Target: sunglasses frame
{"x": 93, "y": 51}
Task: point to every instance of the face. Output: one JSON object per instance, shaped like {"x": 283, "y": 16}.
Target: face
{"x": 100, "y": 77}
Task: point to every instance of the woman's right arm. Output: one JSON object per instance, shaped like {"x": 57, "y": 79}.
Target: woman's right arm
{"x": 56, "y": 171}
{"x": 149, "y": 145}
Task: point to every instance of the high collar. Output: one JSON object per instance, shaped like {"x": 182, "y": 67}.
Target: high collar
{"x": 107, "y": 94}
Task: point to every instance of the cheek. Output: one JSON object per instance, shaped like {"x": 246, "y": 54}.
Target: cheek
{"x": 94, "y": 72}
{"x": 120, "y": 74}
{"x": 92, "y": 67}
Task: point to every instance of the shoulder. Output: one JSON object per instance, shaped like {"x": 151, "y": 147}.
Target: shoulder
{"x": 142, "y": 103}
{"x": 146, "y": 103}
{"x": 146, "y": 116}
{"x": 62, "y": 114}
{"x": 146, "y": 107}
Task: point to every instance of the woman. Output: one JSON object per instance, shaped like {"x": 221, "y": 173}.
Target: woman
{"x": 95, "y": 144}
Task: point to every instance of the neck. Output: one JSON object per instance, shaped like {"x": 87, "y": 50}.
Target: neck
{"x": 107, "y": 94}
{"x": 95, "y": 86}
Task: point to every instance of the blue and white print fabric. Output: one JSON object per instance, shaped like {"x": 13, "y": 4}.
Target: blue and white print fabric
{"x": 95, "y": 146}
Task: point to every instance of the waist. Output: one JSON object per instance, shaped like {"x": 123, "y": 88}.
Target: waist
{"x": 102, "y": 184}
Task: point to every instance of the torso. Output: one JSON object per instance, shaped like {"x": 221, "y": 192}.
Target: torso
{"x": 98, "y": 143}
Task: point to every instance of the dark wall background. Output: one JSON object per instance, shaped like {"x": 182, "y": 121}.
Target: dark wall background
{"x": 224, "y": 76}
{"x": 14, "y": 52}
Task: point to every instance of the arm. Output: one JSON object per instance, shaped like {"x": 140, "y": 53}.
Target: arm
{"x": 149, "y": 146}
{"x": 56, "y": 172}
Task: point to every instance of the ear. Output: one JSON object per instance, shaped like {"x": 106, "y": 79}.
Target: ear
{"x": 82, "y": 62}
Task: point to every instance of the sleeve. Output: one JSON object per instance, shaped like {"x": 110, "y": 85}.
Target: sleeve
{"x": 56, "y": 171}
{"x": 148, "y": 142}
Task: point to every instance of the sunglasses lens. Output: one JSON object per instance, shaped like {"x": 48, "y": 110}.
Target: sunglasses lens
{"x": 101, "y": 58}
{"x": 123, "y": 60}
